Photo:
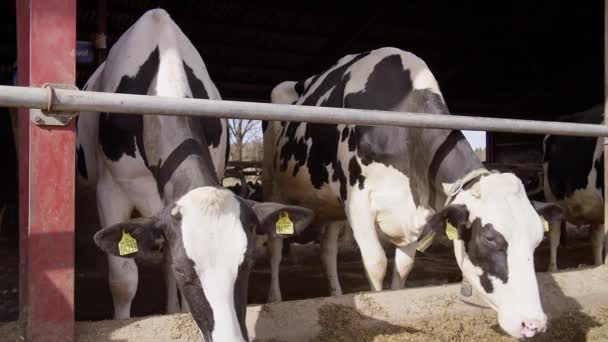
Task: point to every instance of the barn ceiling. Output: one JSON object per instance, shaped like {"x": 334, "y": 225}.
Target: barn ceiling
{"x": 533, "y": 59}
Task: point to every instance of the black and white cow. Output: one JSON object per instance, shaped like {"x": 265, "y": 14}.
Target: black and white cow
{"x": 574, "y": 178}
{"x": 167, "y": 168}
{"x": 396, "y": 181}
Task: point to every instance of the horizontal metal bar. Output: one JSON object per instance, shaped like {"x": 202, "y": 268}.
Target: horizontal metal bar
{"x": 74, "y": 100}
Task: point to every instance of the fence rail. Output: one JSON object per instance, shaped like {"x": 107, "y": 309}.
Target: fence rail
{"x": 63, "y": 100}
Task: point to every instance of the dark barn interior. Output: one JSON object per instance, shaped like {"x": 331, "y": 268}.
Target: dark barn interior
{"x": 526, "y": 60}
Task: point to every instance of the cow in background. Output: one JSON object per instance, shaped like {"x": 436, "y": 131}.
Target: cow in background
{"x": 326, "y": 236}
{"x": 167, "y": 168}
{"x": 574, "y": 178}
{"x": 405, "y": 183}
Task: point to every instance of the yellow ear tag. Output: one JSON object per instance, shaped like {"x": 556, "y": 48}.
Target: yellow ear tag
{"x": 545, "y": 224}
{"x": 451, "y": 231}
{"x": 127, "y": 244}
{"x": 284, "y": 225}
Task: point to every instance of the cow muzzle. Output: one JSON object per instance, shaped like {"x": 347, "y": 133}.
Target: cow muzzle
{"x": 520, "y": 327}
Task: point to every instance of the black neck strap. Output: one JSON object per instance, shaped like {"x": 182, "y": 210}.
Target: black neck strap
{"x": 163, "y": 173}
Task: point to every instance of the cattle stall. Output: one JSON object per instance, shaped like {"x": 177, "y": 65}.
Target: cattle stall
{"x": 248, "y": 50}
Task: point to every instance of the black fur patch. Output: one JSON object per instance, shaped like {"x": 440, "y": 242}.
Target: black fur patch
{"x": 212, "y": 127}
{"x": 293, "y": 148}
{"x": 299, "y": 88}
{"x": 385, "y": 88}
{"x": 82, "y": 164}
{"x": 599, "y": 171}
{"x": 345, "y": 132}
{"x": 352, "y": 141}
{"x": 354, "y": 170}
{"x": 570, "y": 158}
{"x": 118, "y": 133}
{"x": 487, "y": 249}
{"x": 444, "y": 149}
{"x": 340, "y": 177}
{"x": 325, "y": 138}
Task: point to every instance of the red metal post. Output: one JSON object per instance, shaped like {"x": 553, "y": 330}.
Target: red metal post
{"x": 46, "y": 53}
{"x": 23, "y": 148}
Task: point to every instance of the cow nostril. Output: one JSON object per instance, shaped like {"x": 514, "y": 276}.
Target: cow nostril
{"x": 530, "y": 328}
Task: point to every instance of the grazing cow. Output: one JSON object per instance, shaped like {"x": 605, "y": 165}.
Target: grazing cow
{"x": 167, "y": 168}
{"x": 405, "y": 183}
{"x": 574, "y": 178}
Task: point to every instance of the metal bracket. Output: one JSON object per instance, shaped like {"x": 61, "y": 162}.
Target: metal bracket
{"x": 49, "y": 117}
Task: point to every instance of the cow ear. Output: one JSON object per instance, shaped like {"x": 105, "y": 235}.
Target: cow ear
{"x": 284, "y": 219}
{"x": 549, "y": 211}
{"x": 449, "y": 221}
{"x": 141, "y": 237}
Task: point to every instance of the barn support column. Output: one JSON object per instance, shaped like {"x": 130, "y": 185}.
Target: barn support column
{"x": 46, "y": 54}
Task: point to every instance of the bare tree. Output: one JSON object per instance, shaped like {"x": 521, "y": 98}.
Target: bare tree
{"x": 242, "y": 131}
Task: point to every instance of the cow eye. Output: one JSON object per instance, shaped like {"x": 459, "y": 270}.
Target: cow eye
{"x": 489, "y": 240}
{"x": 494, "y": 241}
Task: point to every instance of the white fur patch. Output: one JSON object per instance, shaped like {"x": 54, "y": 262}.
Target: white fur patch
{"x": 214, "y": 239}
{"x": 284, "y": 93}
{"x": 396, "y": 213}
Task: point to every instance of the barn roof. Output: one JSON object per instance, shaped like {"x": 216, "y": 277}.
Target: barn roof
{"x": 535, "y": 59}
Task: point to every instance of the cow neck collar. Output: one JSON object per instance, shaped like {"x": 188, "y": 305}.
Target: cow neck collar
{"x": 163, "y": 171}
{"x": 465, "y": 183}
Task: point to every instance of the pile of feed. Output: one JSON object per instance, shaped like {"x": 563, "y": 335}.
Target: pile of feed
{"x": 179, "y": 327}
{"x": 341, "y": 323}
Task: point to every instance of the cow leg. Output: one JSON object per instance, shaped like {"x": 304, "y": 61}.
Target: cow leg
{"x": 362, "y": 222}
{"x": 329, "y": 256}
{"x": 597, "y": 243}
{"x": 554, "y": 236}
{"x": 404, "y": 262}
{"x": 115, "y": 207}
{"x": 275, "y": 246}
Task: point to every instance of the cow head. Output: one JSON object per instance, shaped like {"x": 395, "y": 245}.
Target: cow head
{"x": 208, "y": 236}
{"x": 496, "y": 230}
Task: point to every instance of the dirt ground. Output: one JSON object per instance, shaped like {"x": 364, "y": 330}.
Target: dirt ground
{"x": 9, "y": 279}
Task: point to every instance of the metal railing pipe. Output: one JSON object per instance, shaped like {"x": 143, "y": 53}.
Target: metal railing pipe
{"x": 64, "y": 100}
